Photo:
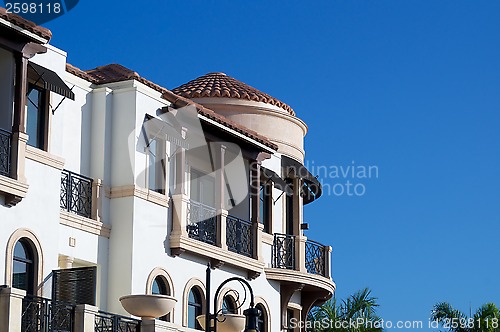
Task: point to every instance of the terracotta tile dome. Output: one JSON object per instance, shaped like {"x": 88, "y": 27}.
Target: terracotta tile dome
{"x": 219, "y": 85}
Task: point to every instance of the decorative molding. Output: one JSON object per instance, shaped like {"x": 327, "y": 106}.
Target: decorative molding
{"x": 44, "y": 157}
{"x": 85, "y": 224}
{"x": 139, "y": 192}
{"x": 307, "y": 279}
{"x": 13, "y": 190}
{"x": 295, "y": 306}
{"x": 267, "y": 238}
{"x": 160, "y": 272}
{"x": 179, "y": 244}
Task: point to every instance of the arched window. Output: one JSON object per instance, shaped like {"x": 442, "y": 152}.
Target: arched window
{"x": 262, "y": 318}
{"x": 160, "y": 287}
{"x": 229, "y": 305}
{"x": 194, "y": 308}
{"x": 23, "y": 273}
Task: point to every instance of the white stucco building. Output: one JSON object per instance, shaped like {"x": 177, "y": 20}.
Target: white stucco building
{"x": 113, "y": 185}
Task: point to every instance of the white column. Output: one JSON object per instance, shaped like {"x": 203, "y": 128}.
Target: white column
{"x": 11, "y": 309}
{"x": 85, "y": 318}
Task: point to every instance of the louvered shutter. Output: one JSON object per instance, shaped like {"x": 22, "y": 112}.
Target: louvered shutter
{"x": 77, "y": 286}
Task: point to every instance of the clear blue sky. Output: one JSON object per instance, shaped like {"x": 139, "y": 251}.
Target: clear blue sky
{"x": 412, "y": 87}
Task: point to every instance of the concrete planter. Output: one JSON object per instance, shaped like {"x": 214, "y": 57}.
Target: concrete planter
{"x": 148, "y": 306}
{"x": 226, "y": 322}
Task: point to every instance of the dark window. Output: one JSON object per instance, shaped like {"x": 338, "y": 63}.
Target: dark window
{"x": 202, "y": 188}
{"x": 156, "y": 167}
{"x": 265, "y": 206}
{"x": 229, "y": 305}
{"x": 23, "y": 276}
{"x": 194, "y": 308}
{"x": 160, "y": 287}
{"x": 262, "y": 320}
{"x": 36, "y": 116}
{"x": 289, "y": 317}
{"x": 289, "y": 215}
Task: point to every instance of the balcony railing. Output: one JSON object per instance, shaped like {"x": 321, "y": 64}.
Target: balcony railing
{"x": 313, "y": 255}
{"x": 239, "y": 236}
{"x": 43, "y": 315}
{"x": 202, "y": 222}
{"x": 315, "y": 258}
{"x": 284, "y": 251}
{"x": 76, "y": 193}
{"x": 5, "y": 152}
{"x": 106, "y": 322}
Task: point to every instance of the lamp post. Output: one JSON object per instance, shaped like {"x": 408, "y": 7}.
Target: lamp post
{"x": 251, "y": 314}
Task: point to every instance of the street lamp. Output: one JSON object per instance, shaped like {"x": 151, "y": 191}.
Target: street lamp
{"x": 251, "y": 314}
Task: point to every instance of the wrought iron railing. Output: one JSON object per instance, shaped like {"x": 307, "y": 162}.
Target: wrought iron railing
{"x": 76, "y": 193}
{"x": 5, "y": 152}
{"x": 315, "y": 258}
{"x": 239, "y": 236}
{"x": 284, "y": 251}
{"x": 44, "y": 315}
{"x": 202, "y": 222}
{"x": 106, "y": 322}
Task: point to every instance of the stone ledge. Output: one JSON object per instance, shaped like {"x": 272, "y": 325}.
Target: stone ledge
{"x": 13, "y": 190}
{"x": 84, "y": 224}
{"x": 142, "y": 193}
{"x": 180, "y": 244}
{"x": 44, "y": 157}
{"x": 294, "y": 276}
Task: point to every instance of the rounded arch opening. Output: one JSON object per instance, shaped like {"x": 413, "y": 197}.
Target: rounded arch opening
{"x": 194, "y": 303}
{"x": 24, "y": 262}
{"x": 265, "y": 318}
{"x": 160, "y": 282}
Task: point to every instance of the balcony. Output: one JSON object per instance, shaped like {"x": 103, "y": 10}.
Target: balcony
{"x": 315, "y": 255}
{"x": 299, "y": 264}
{"x": 202, "y": 222}
{"x": 5, "y": 152}
{"x": 27, "y": 313}
{"x": 43, "y": 315}
{"x": 76, "y": 194}
{"x": 223, "y": 238}
{"x": 202, "y": 225}
{"x": 106, "y": 322}
{"x": 239, "y": 236}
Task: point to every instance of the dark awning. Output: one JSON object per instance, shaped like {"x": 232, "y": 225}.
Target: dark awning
{"x": 164, "y": 129}
{"x": 51, "y": 80}
{"x": 279, "y": 183}
{"x": 312, "y": 187}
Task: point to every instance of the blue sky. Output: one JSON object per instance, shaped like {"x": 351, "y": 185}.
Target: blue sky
{"x": 412, "y": 87}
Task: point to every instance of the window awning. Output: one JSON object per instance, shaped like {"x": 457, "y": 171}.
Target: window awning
{"x": 311, "y": 187}
{"x": 164, "y": 129}
{"x": 51, "y": 80}
{"x": 279, "y": 183}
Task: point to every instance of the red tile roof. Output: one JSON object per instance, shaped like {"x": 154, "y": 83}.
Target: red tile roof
{"x": 219, "y": 85}
{"x": 117, "y": 73}
{"x": 25, "y": 24}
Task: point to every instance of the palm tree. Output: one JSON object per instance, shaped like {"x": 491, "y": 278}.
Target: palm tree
{"x": 486, "y": 318}
{"x": 355, "y": 314}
